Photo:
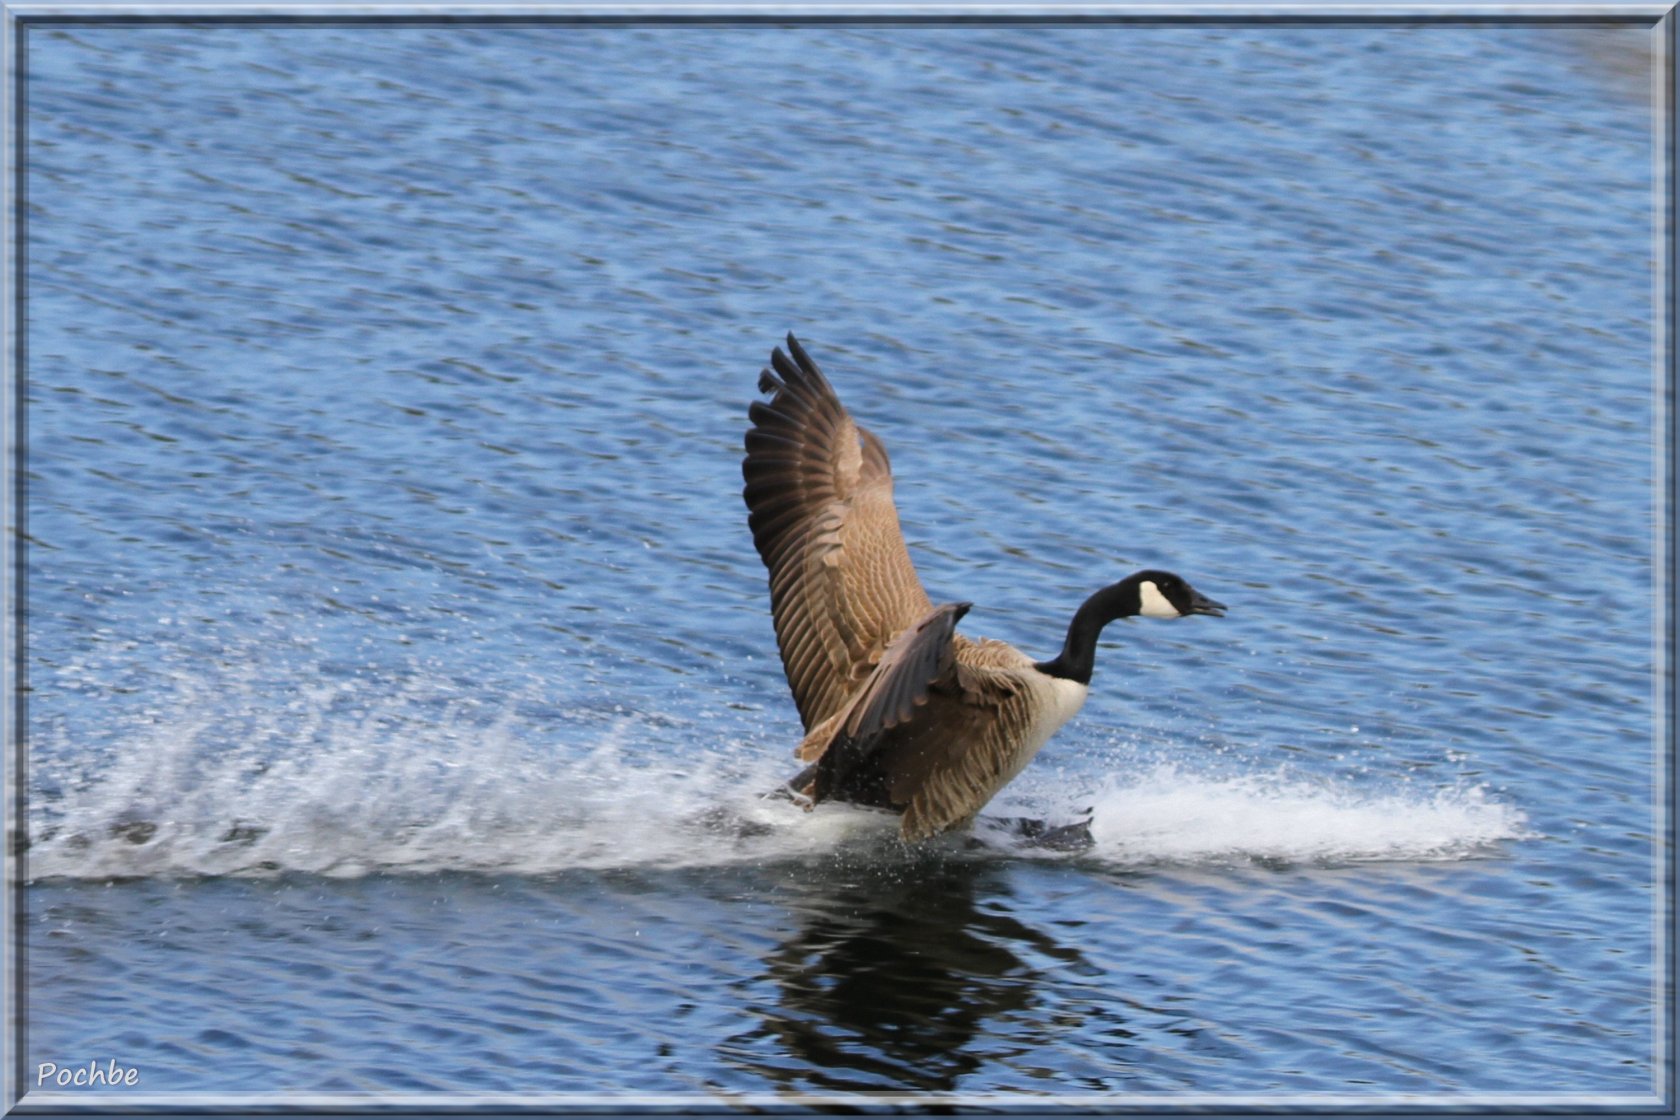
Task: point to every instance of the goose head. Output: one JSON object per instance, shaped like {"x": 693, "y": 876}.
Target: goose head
{"x": 1165, "y": 595}
{"x": 1146, "y": 594}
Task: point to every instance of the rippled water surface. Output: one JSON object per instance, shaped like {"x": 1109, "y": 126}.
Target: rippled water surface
{"x": 403, "y": 681}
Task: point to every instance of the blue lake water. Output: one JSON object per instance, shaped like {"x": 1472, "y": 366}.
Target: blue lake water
{"x": 403, "y": 684}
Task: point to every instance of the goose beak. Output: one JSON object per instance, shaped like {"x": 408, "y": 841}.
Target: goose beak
{"x": 1201, "y": 604}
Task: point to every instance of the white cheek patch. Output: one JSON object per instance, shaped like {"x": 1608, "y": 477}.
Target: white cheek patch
{"x": 1153, "y": 604}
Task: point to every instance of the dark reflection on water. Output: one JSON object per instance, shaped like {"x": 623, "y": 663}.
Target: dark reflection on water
{"x": 898, "y": 981}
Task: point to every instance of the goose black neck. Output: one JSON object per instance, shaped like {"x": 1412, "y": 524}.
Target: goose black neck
{"x": 1079, "y": 651}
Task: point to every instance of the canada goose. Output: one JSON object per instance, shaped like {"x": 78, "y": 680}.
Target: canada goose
{"x": 900, "y": 711}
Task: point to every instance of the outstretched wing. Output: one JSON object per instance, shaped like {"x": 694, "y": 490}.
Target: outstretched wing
{"x": 819, "y": 502}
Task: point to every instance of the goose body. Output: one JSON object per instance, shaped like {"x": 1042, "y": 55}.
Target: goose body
{"x": 900, "y": 711}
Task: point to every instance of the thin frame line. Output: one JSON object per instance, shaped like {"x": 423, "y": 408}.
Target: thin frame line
{"x": 21, "y": 17}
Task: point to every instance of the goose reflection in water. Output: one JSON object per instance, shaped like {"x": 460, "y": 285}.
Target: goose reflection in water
{"x": 900, "y": 983}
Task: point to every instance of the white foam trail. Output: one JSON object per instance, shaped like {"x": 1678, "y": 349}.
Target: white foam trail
{"x": 222, "y": 781}
{"x": 1169, "y": 815}
{"x": 225, "y": 781}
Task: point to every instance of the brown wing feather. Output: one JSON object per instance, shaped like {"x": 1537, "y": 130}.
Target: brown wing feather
{"x": 947, "y": 777}
{"x": 951, "y": 778}
{"x": 936, "y": 731}
{"x": 819, "y": 502}
{"x": 918, "y": 660}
